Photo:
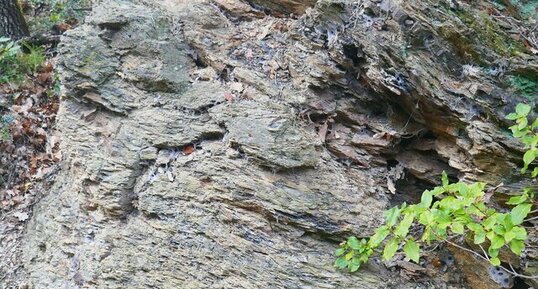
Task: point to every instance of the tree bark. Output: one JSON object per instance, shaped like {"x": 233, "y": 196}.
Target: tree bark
{"x": 12, "y": 23}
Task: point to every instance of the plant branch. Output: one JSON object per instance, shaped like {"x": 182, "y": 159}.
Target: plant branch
{"x": 486, "y": 215}
{"x": 484, "y": 251}
{"x": 486, "y": 258}
{"x": 531, "y": 219}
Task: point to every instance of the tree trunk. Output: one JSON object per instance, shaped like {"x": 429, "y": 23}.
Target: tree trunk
{"x": 12, "y": 23}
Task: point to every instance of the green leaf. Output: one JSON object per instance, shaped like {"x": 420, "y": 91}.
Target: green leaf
{"x": 474, "y": 227}
{"x": 477, "y": 210}
{"x": 340, "y": 263}
{"x": 426, "y": 218}
{"x": 522, "y": 123}
{"x": 517, "y": 246}
{"x": 426, "y": 199}
{"x": 427, "y": 235}
{"x": 529, "y": 157}
{"x": 523, "y": 109}
{"x": 412, "y": 250}
{"x": 490, "y": 211}
{"x": 517, "y": 133}
{"x": 495, "y": 261}
{"x": 462, "y": 189}
{"x": 499, "y": 230}
{"x": 364, "y": 257}
{"x": 512, "y": 116}
{"x": 504, "y": 220}
{"x": 380, "y": 234}
{"x": 490, "y": 221}
{"x": 450, "y": 203}
{"x": 457, "y": 228}
{"x": 534, "y": 173}
{"x": 519, "y": 213}
{"x": 444, "y": 179}
{"x": 493, "y": 252}
{"x": 392, "y": 216}
{"x": 437, "y": 191}
{"x": 476, "y": 190}
{"x": 490, "y": 235}
{"x": 479, "y": 233}
{"x": 354, "y": 265}
{"x": 353, "y": 243}
{"x": 497, "y": 242}
{"x": 339, "y": 251}
{"x": 349, "y": 255}
{"x": 517, "y": 200}
{"x": 509, "y": 236}
{"x": 403, "y": 228}
{"x": 439, "y": 232}
{"x": 479, "y": 237}
{"x": 519, "y": 233}
{"x": 442, "y": 218}
{"x": 390, "y": 249}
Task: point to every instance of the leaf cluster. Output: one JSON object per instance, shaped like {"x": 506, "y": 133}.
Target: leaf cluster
{"x": 527, "y": 132}
{"x": 54, "y": 12}
{"x": 8, "y": 48}
{"x": 14, "y": 63}
{"x": 5, "y": 121}
{"x": 449, "y": 211}
{"x": 443, "y": 212}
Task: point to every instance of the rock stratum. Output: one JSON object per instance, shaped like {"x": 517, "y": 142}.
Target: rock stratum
{"x": 234, "y": 144}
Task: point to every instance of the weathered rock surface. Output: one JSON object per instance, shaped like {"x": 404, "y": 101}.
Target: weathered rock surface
{"x": 208, "y": 145}
{"x": 132, "y": 210}
{"x": 283, "y": 7}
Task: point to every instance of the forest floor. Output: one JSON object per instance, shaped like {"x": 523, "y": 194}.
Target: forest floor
{"x": 29, "y": 101}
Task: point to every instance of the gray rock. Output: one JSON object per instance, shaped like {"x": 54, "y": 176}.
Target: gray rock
{"x": 268, "y": 133}
{"x": 132, "y": 209}
{"x": 250, "y": 177}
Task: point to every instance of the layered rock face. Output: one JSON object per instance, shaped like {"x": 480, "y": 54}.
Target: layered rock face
{"x": 209, "y": 145}
{"x": 282, "y": 7}
{"x": 134, "y": 208}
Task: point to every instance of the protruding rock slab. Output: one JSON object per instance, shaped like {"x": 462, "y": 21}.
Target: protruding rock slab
{"x": 283, "y": 7}
{"x": 266, "y": 131}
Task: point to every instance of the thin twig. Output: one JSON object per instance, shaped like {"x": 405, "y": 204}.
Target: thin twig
{"x": 486, "y": 215}
{"x": 513, "y": 272}
{"x": 530, "y": 219}
{"x": 433, "y": 249}
{"x": 465, "y": 249}
{"x": 484, "y": 251}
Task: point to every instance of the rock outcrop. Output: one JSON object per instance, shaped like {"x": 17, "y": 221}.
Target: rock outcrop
{"x": 166, "y": 184}
{"x": 227, "y": 144}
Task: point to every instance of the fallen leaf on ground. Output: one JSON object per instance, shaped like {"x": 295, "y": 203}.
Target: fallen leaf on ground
{"x": 229, "y": 96}
{"x": 187, "y": 150}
